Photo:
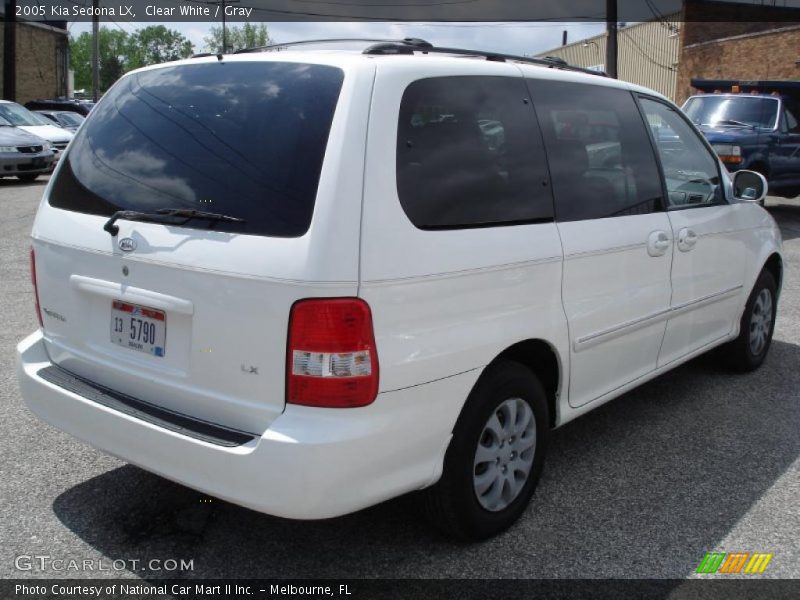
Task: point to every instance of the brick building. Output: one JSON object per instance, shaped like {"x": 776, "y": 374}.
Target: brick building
{"x": 42, "y": 61}
{"x": 706, "y": 40}
{"x": 742, "y": 42}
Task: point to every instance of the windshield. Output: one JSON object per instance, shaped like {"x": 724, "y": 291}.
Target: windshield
{"x": 732, "y": 111}
{"x": 70, "y": 118}
{"x": 241, "y": 139}
{"x": 21, "y": 116}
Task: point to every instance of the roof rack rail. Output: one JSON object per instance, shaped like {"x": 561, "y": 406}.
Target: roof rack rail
{"x": 410, "y": 42}
{"x": 410, "y": 46}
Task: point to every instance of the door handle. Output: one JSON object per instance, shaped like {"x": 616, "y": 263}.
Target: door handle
{"x": 687, "y": 239}
{"x": 658, "y": 243}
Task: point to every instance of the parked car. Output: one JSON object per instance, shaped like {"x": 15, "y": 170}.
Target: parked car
{"x": 68, "y": 120}
{"x": 21, "y": 117}
{"x": 753, "y": 125}
{"x": 82, "y": 107}
{"x": 23, "y": 155}
{"x": 307, "y": 282}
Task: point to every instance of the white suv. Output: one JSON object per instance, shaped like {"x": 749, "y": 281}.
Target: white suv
{"x": 309, "y": 281}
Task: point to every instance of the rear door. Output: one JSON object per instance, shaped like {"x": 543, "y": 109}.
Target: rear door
{"x": 192, "y": 314}
{"x": 615, "y": 234}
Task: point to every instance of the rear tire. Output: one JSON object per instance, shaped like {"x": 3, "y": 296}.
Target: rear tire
{"x": 748, "y": 351}
{"x": 495, "y": 457}
{"x": 28, "y": 178}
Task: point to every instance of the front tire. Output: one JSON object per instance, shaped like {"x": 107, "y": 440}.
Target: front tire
{"x": 28, "y": 177}
{"x": 495, "y": 457}
{"x": 748, "y": 351}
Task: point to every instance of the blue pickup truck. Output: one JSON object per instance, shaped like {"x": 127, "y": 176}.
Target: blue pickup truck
{"x": 752, "y": 125}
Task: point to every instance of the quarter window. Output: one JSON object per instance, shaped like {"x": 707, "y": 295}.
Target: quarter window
{"x": 469, "y": 154}
{"x": 691, "y": 172}
{"x": 601, "y": 159}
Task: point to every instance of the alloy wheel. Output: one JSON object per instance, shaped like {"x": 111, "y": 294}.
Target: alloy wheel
{"x": 504, "y": 456}
{"x": 760, "y": 322}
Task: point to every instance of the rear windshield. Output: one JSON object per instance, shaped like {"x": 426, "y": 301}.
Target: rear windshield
{"x": 70, "y": 118}
{"x": 241, "y": 139}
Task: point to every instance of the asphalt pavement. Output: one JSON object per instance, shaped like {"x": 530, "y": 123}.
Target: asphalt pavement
{"x": 695, "y": 461}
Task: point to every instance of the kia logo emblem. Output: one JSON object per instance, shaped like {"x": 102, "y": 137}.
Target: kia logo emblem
{"x": 127, "y": 245}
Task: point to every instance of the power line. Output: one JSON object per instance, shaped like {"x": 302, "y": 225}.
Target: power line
{"x": 341, "y": 18}
{"x": 654, "y": 10}
{"x": 660, "y": 17}
{"x": 510, "y": 25}
{"x": 422, "y": 3}
{"x": 645, "y": 54}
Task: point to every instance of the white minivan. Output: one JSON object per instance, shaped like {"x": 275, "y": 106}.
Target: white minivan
{"x": 308, "y": 281}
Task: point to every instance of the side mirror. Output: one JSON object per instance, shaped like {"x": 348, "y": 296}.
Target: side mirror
{"x": 749, "y": 186}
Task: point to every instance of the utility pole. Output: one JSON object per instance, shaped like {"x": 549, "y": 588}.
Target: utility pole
{"x": 223, "y": 3}
{"x": 611, "y": 38}
{"x": 224, "y": 30}
{"x": 10, "y": 51}
{"x": 96, "y": 50}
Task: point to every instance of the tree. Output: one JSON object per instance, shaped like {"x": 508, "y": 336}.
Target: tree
{"x": 121, "y": 51}
{"x": 246, "y": 36}
{"x": 113, "y": 43}
{"x": 111, "y": 69}
{"x": 156, "y": 44}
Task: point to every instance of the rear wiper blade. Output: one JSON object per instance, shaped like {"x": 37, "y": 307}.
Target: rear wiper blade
{"x": 188, "y": 213}
{"x": 165, "y": 215}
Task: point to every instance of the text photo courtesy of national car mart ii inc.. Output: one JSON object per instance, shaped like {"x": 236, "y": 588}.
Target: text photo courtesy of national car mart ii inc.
{"x": 179, "y": 590}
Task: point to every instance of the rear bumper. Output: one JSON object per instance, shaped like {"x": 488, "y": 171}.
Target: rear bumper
{"x": 310, "y": 464}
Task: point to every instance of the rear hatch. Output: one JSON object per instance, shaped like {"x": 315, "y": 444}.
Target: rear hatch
{"x": 191, "y": 314}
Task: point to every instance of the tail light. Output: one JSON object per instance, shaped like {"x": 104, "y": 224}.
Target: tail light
{"x": 331, "y": 358}
{"x": 36, "y": 288}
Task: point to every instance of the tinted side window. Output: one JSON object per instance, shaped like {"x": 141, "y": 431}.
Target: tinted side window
{"x": 790, "y": 122}
{"x": 469, "y": 154}
{"x": 690, "y": 170}
{"x": 601, "y": 159}
{"x": 243, "y": 139}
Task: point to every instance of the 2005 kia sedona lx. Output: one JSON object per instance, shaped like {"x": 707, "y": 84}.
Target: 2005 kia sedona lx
{"x": 309, "y": 281}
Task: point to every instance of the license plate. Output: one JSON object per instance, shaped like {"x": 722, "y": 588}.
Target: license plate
{"x": 138, "y": 328}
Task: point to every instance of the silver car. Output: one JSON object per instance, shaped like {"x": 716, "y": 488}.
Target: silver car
{"x": 67, "y": 119}
{"x": 22, "y": 154}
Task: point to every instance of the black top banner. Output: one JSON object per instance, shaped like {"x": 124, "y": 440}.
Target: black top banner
{"x": 399, "y": 10}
